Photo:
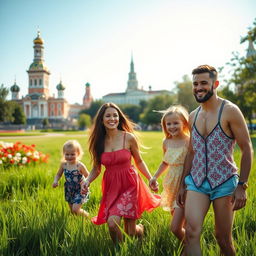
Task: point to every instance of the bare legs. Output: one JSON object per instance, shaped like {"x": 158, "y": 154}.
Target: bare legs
{"x": 76, "y": 209}
{"x": 114, "y": 230}
{"x": 224, "y": 216}
{"x": 177, "y": 224}
{"x": 130, "y": 228}
{"x": 196, "y": 207}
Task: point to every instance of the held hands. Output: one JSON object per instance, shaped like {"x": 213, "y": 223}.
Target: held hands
{"x": 85, "y": 186}
{"x": 153, "y": 184}
{"x": 55, "y": 184}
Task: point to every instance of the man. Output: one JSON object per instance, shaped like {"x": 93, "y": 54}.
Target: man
{"x": 210, "y": 173}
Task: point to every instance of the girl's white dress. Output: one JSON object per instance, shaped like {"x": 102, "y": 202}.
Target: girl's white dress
{"x": 174, "y": 157}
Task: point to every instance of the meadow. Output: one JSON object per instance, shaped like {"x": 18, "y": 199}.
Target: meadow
{"x": 35, "y": 219}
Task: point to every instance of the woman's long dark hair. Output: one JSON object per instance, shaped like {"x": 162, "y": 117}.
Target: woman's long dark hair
{"x": 98, "y": 131}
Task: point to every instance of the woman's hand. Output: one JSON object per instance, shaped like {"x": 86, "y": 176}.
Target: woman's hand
{"x": 85, "y": 186}
{"x": 153, "y": 184}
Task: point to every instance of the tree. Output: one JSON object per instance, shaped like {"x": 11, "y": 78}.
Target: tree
{"x": 132, "y": 111}
{"x": 92, "y": 110}
{"x": 5, "y": 109}
{"x": 160, "y": 102}
{"x": 17, "y": 113}
{"x": 243, "y": 77}
{"x": 84, "y": 121}
{"x": 45, "y": 122}
{"x": 184, "y": 94}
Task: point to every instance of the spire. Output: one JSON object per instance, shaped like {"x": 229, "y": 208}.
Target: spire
{"x": 132, "y": 84}
{"x": 251, "y": 50}
{"x": 132, "y": 65}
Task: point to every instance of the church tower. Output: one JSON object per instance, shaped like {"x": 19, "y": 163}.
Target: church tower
{"x": 15, "y": 91}
{"x": 60, "y": 88}
{"x": 87, "y": 99}
{"x": 251, "y": 52}
{"x": 132, "y": 84}
{"x": 38, "y": 73}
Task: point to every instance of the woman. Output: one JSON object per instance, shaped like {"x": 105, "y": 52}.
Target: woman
{"x": 112, "y": 143}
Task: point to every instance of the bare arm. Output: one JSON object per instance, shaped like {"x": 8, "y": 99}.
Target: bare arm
{"x": 186, "y": 168}
{"x": 240, "y": 132}
{"x": 140, "y": 164}
{"x": 90, "y": 178}
{"x": 187, "y": 163}
{"x": 83, "y": 170}
{"x": 58, "y": 176}
{"x": 163, "y": 166}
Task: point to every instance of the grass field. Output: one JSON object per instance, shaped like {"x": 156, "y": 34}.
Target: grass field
{"x": 35, "y": 219}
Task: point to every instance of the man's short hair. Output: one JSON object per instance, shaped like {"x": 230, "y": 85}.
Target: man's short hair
{"x": 206, "y": 69}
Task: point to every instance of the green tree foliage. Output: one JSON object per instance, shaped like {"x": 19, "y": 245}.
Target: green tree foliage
{"x": 185, "y": 96}
{"x": 132, "y": 111}
{"x": 18, "y": 113}
{"x": 10, "y": 111}
{"x": 244, "y": 79}
{"x": 157, "y": 103}
{"x": 5, "y": 106}
{"x": 84, "y": 121}
{"x": 45, "y": 122}
{"x": 92, "y": 110}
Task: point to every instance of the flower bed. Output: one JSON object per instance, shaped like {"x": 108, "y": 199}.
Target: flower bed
{"x": 18, "y": 154}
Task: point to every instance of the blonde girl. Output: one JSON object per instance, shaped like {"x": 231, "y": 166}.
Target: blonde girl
{"x": 75, "y": 172}
{"x": 175, "y": 145}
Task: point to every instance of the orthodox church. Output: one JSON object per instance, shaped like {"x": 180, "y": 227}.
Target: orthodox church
{"x": 38, "y": 104}
{"x": 133, "y": 95}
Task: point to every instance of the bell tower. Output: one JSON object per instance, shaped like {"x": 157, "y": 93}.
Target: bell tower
{"x": 132, "y": 83}
{"x": 87, "y": 99}
{"x": 38, "y": 73}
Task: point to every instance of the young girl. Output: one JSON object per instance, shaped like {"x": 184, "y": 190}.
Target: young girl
{"x": 75, "y": 172}
{"x": 124, "y": 194}
{"x": 175, "y": 145}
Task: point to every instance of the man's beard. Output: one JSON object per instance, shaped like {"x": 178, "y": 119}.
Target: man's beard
{"x": 207, "y": 96}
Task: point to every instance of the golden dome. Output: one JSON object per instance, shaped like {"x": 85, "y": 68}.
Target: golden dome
{"x": 38, "y": 39}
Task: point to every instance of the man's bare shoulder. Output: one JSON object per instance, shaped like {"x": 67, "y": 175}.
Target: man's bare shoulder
{"x": 192, "y": 116}
{"x": 231, "y": 110}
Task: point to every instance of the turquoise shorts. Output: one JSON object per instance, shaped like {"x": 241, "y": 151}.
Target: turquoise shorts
{"x": 225, "y": 189}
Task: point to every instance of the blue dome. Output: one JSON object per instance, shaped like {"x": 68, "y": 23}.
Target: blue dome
{"x": 60, "y": 86}
{"x": 15, "y": 88}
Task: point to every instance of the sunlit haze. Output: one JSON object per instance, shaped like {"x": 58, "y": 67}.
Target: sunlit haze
{"x": 92, "y": 41}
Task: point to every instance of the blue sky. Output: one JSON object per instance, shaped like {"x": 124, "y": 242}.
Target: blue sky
{"x": 92, "y": 40}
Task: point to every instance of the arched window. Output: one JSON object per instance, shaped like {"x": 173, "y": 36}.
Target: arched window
{"x": 35, "y": 82}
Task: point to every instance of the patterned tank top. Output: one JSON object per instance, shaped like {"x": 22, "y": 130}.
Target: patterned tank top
{"x": 213, "y": 158}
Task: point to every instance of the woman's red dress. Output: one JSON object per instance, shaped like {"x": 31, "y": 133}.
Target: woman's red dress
{"x": 124, "y": 193}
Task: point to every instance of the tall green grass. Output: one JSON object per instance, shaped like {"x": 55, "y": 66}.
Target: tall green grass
{"x": 35, "y": 219}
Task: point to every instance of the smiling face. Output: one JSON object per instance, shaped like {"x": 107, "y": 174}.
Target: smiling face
{"x": 203, "y": 87}
{"x": 70, "y": 155}
{"x": 174, "y": 125}
{"x": 111, "y": 118}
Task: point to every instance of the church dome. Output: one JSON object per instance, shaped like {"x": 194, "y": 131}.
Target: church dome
{"x": 38, "y": 39}
{"x": 38, "y": 65}
{"x": 15, "y": 88}
{"x": 60, "y": 86}
{"x": 87, "y": 84}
